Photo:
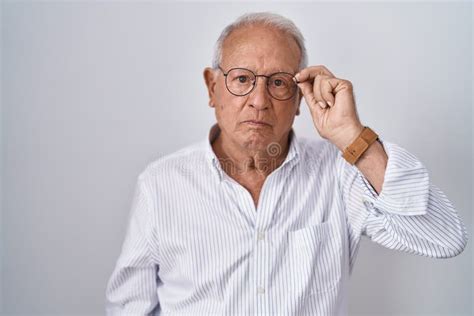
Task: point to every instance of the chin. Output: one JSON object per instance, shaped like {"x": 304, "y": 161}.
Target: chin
{"x": 256, "y": 141}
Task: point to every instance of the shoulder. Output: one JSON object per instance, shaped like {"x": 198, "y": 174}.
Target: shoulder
{"x": 181, "y": 161}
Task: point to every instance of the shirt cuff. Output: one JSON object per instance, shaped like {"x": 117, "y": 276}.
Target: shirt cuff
{"x": 405, "y": 190}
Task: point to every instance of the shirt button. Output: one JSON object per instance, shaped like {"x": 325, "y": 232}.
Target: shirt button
{"x": 376, "y": 212}
{"x": 261, "y": 236}
{"x": 369, "y": 204}
{"x": 260, "y": 290}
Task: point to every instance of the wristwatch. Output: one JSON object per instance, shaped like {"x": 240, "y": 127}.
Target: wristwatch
{"x": 355, "y": 150}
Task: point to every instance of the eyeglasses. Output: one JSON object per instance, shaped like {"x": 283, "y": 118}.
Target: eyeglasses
{"x": 241, "y": 81}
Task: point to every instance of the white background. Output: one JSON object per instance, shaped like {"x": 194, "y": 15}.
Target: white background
{"x": 94, "y": 91}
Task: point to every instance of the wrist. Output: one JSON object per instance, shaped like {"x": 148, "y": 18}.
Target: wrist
{"x": 354, "y": 151}
{"x": 349, "y": 136}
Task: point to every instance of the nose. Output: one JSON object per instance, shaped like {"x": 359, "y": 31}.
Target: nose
{"x": 259, "y": 97}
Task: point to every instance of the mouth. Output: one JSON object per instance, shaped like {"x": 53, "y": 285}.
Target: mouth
{"x": 256, "y": 123}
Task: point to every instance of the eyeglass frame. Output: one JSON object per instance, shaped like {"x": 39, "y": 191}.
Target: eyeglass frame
{"x": 255, "y": 82}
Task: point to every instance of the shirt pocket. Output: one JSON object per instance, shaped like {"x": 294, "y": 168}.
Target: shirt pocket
{"x": 314, "y": 260}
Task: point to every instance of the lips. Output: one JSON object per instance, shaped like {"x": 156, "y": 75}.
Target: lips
{"x": 257, "y": 123}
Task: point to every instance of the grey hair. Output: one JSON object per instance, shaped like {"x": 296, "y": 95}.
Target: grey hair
{"x": 268, "y": 19}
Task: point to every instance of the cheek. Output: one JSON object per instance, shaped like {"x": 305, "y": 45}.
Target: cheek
{"x": 229, "y": 106}
{"x": 226, "y": 110}
{"x": 222, "y": 98}
{"x": 285, "y": 112}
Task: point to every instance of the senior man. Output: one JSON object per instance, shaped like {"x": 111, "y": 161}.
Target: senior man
{"x": 255, "y": 221}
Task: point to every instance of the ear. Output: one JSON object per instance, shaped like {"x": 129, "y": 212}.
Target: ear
{"x": 211, "y": 80}
{"x": 299, "y": 96}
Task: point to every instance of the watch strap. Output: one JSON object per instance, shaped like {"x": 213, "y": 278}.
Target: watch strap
{"x": 355, "y": 150}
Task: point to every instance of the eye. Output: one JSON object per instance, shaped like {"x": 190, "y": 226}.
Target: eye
{"x": 279, "y": 82}
{"x": 242, "y": 79}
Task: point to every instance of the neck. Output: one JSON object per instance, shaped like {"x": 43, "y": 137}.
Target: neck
{"x": 236, "y": 159}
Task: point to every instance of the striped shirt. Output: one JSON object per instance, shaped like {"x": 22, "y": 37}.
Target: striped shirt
{"x": 197, "y": 245}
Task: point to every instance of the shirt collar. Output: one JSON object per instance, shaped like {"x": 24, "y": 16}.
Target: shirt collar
{"x": 292, "y": 156}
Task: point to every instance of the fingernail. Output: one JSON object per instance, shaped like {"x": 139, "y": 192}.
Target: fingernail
{"x": 322, "y": 104}
{"x": 329, "y": 103}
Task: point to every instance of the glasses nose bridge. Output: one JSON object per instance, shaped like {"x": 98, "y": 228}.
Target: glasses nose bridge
{"x": 266, "y": 84}
{"x": 256, "y": 77}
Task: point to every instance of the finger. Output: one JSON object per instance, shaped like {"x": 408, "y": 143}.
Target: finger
{"x": 327, "y": 88}
{"x": 313, "y": 104}
{"x": 317, "y": 91}
{"x": 317, "y": 112}
{"x": 310, "y": 73}
{"x": 307, "y": 90}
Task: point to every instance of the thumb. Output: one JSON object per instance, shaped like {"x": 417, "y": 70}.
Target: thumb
{"x": 307, "y": 89}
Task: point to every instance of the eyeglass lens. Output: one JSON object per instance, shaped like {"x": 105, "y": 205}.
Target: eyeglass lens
{"x": 241, "y": 81}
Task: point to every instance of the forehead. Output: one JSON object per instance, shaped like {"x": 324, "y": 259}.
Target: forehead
{"x": 262, "y": 49}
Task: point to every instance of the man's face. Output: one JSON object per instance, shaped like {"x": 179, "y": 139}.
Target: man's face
{"x": 264, "y": 51}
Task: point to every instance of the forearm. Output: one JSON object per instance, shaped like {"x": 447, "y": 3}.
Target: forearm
{"x": 410, "y": 214}
{"x": 373, "y": 162}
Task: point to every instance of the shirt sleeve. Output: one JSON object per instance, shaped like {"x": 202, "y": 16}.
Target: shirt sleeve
{"x": 132, "y": 287}
{"x": 411, "y": 214}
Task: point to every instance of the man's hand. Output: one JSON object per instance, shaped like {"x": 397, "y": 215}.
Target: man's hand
{"x": 332, "y": 105}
